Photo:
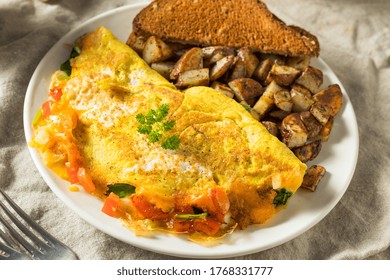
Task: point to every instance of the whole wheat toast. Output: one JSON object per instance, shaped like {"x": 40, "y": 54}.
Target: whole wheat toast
{"x": 233, "y": 23}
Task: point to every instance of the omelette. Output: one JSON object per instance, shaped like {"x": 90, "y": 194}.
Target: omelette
{"x": 191, "y": 161}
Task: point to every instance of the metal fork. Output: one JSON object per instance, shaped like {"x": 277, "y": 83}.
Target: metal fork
{"x": 22, "y": 238}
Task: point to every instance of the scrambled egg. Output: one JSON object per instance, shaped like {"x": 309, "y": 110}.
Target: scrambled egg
{"x": 226, "y": 165}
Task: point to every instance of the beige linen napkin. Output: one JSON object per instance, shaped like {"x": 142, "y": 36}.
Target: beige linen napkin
{"x": 355, "y": 41}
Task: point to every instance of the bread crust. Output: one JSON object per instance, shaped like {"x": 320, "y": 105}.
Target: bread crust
{"x": 232, "y": 23}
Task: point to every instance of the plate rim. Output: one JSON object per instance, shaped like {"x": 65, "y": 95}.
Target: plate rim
{"x": 178, "y": 253}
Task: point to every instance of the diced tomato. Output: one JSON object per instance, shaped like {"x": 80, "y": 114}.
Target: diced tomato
{"x": 85, "y": 180}
{"x": 72, "y": 170}
{"x": 208, "y": 226}
{"x": 111, "y": 205}
{"x": 147, "y": 209}
{"x": 46, "y": 109}
{"x": 182, "y": 226}
{"x": 55, "y": 93}
{"x": 216, "y": 203}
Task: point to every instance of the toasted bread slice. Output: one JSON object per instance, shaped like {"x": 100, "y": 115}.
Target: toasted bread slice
{"x": 233, "y": 23}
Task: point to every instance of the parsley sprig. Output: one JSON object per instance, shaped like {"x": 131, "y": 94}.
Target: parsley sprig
{"x": 282, "y": 195}
{"x": 152, "y": 124}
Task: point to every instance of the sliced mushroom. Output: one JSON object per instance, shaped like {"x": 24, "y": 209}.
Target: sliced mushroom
{"x": 196, "y": 77}
{"x": 156, "y": 50}
{"x": 283, "y": 100}
{"x": 313, "y": 177}
{"x": 220, "y": 67}
{"x": 266, "y": 101}
{"x": 311, "y": 78}
{"x": 308, "y": 152}
{"x": 246, "y": 89}
{"x": 301, "y": 98}
{"x": 293, "y": 131}
{"x": 191, "y": 60}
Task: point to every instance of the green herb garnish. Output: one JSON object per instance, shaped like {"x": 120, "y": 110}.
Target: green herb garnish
{"x": 191, "y": 216}
{"x": 121, "y": 189}
{"x": 281, "y": 197}
{"x": 247, "y": 107}
{"x": 152, "y": 125}
{"x": 66, "y": 67}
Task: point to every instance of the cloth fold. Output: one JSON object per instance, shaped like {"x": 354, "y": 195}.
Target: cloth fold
{"x": 355, "y": 42}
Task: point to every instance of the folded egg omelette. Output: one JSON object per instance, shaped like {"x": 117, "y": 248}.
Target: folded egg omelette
{"x": 191, "y": 161}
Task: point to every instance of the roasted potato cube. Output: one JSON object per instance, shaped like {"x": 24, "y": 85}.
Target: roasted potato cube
{"x": 213, "y": 54}
{"x": 225, "y": 89}
{"x": 298, "y": 62}
{"x": 262, "y": 70}
{"x": 250, "y": 60}
{"x": 278, "y": 114}
{"x": 266, "y": 101}
{"x": 220, "y": 67}
{"x": 163, "y": 68}
{"x": 324, "y": 133}
{"x": 283, "y": 75}
{"x": 137, "y": 43}
{"x": 313, "y": 177}
{"x": 301, "y": 98}
{"x": 191, "y": 60}
{"x": 238, "y": 69}
{"x": 283, "y": 100}
{"x": 293, "y": 131}
{"x": 308, "y": 152}
{"x": 272, "y": 127}
{"x": 313, "y": 127}
{"x": 196, "y": 77}
{"x": 278, "y": 59}
{"x": 156, "y": 50}
{"x": 246, "y": 89}
{"x": 311, "y": 78}
{"x": 327, "y": 103}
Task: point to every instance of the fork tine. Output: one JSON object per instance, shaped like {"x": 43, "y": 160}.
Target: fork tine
{"x": 7, "y": 253}
{"x": 22, "y": 241}
{"x": 48, "y": 249}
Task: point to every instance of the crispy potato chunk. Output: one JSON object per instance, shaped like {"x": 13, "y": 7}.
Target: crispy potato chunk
{"x": 246, "y": 89}
{"x": 225, "y": 89}
{"x": 311, "y": 79}
{"x": 272, "y": 127}
{"x": 266, "y": 101}
{"x": 250, "y": 60}
{"x": 190, "y": 60}
{"x": 220, "y": 67}
{"x": 313, "y": 127}
{"x": 313, "y": 177}
{"x": 262, "y": 70}
{"x": 190, "y": 78}
{"x": 283, "y": 75}
{"x": 308, "y": 152}
{"x": 301, "y": 98}
{"x": 156, "y": 50}
{"x": 327, "y": 103}
{"x": 283, "y": 100}
{"x": 298, "y": 62}
{"x": 163, "y": 68}
{"x": 293, "y": 131}
{"x": 137, "y": 43}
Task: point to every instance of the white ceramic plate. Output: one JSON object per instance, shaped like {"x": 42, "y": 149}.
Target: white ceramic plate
{"x": 305, "y": 209}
